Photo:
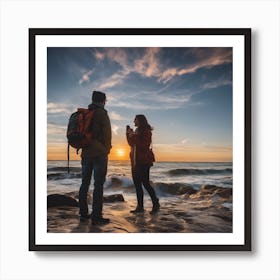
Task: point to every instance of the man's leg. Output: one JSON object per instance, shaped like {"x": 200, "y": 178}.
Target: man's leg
{"x": 87, "y": 167}
{"x": 100, "y": 171}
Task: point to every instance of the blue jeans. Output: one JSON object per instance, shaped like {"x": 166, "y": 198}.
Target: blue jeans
{"x": 98, "y": 165}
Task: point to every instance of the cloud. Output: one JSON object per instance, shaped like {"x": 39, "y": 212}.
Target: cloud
{"x": 184, "y": 141}
{"x": 99, "y": 55}
{"x": 149, "y": 62}
{"x": 174, "y": 100}
{"x": 152, "y": 65}
{"x": 216, "y": 148}
{"x": 174, "y": 148}
{"x": 115, "y": 116}
{"x": 216, "y": 84}
{"x": 192, "y": 147}
{"x": 114, "y": 80}
{"x": 85, "y": 77}
{"x": 148, "y": 65}
{"x": 59, "y": 108}
{"x": 115, "y": 129}
{"x": 56, "y": 133}
{"x": 214, "y": 57}
{"x": 151, "y": 100}
{"x": 118, "y": 55}
{"x": 168, "y": 74}
{"x": 56, "y": 129}
{"x": 138, "y": 105}
{"x": 134, "y": 105}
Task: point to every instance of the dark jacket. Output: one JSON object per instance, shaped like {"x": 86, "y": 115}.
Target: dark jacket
{"x": 102, "y": 135}
{"x": 140, "y": 142}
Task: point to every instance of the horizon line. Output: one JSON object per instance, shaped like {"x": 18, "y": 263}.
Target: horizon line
{"x": 155, "y": 161}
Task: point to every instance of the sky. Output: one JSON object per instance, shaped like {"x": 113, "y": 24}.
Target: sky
{"x": 185, "y": 93}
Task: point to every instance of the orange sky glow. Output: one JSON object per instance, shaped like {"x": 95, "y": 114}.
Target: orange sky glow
{"x": 162, "y": 153}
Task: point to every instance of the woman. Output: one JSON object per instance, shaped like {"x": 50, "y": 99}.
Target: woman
{"x": 142, "y": 159}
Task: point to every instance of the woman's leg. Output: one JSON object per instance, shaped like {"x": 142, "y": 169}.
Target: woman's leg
{"x": 145, "y": 177}
{"x": 150, "y": 189}
{"x": 136, "y": 176}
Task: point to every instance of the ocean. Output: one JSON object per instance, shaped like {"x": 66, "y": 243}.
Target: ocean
{"x": 163, "y": 175}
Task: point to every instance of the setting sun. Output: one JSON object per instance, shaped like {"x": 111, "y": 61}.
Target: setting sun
{"x": 120, "y": 152}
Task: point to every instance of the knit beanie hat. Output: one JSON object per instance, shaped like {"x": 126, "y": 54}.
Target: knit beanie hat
{"x": 98, "y": 96}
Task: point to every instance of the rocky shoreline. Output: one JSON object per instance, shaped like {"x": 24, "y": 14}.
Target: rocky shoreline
{"x": 207, "y": 210}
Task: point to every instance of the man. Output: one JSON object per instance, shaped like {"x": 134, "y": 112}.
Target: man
{"x": 95, "y": 159}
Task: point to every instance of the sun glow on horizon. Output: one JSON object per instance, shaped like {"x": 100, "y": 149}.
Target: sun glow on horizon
{"x": 120, "y": 152}
{"x": 166, "y": 153}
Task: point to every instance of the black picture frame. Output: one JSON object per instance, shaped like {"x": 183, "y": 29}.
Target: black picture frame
{"x": 33, "y": 35}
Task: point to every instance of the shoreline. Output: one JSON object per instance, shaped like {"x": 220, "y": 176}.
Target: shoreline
{"x": 209, "y": 210}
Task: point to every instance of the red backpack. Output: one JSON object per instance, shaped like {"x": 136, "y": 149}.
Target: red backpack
{"x": 79, "y": 134}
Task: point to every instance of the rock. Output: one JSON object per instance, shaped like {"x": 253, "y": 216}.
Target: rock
{"x": 176, "y": 188}
{"x": 211, "y": 188}
{"x": 225, "y": 193}
{"x": 113, "y": 198}
{"x": 55, "y": 200}
{"x": 115, "y": 182}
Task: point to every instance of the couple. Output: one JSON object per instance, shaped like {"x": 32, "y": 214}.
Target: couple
{"x": 95, "y": 160}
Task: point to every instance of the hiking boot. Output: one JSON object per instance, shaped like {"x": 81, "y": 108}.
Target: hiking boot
{"x": 100, "y": 221}
{"x": 137, "y": 210}
{"x": 156, "y": 207}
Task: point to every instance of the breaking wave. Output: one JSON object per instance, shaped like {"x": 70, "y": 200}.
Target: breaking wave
{"x": 193, "y": 171}
{"x": 64, "y": 169}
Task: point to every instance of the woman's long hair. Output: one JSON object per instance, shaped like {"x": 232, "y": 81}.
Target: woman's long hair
{"x": 143, "y": 123}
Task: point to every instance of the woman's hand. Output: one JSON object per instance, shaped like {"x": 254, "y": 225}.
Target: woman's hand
{"x": 130, "y": 133}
